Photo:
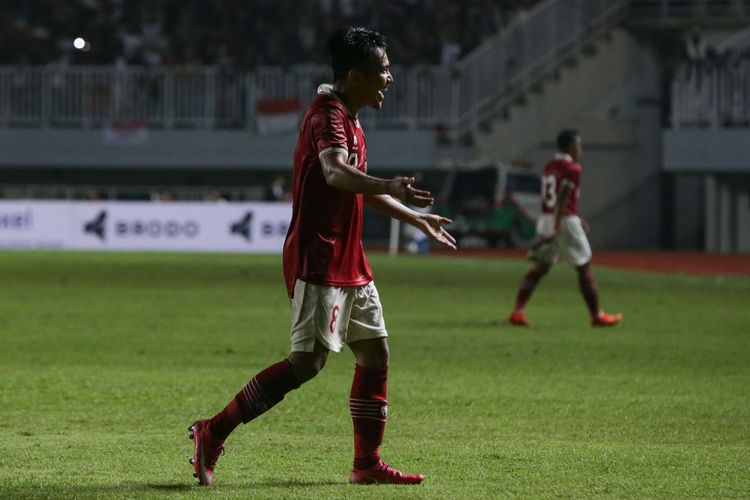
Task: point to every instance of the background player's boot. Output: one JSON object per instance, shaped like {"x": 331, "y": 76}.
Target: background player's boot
{"x": 518, "y": 318}
{"x": 381, "y": 472}
{"x": 604, "y": 319}
{"x": 208, "y": 449}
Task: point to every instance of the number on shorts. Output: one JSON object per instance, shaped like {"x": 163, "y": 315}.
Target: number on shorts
{"x": 334, "y": 317}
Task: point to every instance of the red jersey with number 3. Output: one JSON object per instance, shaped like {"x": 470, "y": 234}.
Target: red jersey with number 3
{"x": 561, "y": 170}
{"x": 324, "y": 242}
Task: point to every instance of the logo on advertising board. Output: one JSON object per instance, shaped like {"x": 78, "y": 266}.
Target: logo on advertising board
{"x": 242, "y": 227}
{"x": 142, "y": 228}
{"x": 97, "y": 226}
{"x": 268, "y": 228}
{"x": 18, "y": 221}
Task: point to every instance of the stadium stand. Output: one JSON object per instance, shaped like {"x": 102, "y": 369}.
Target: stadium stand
{"x": 215, "y": 88}
{"x": 240, "y": 34}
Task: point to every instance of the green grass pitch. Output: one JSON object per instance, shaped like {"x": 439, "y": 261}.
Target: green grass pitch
{"x": 105, "y": 359}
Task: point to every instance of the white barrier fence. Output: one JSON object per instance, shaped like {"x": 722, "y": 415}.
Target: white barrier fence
{"x": 455, "y": 97}
{"x": 712, "y": 97}
{"x": 200, "y": 97}
{"x": 150, "y": 226}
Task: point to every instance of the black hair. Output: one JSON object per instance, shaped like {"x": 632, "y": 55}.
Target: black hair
{"x": 353, "y": 48}
{"x": 566, "y": 138}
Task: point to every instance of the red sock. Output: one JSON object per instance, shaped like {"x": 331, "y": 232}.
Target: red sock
{"x": 589, "y": 292}
{"x": 369, "y": 410}
{"x": 265, "y": 390}
{"x": 528, "y": 283}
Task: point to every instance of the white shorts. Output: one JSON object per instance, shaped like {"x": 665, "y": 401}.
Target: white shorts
{"x": 335, "y": 315}
{"x": 571, "y": 244}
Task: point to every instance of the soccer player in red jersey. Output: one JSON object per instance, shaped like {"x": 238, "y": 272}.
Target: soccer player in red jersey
{"x": 334, "y": 300}
{"x": 561, "y": 232}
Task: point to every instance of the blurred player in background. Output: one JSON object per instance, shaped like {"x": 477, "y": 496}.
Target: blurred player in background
{"x": 334, "y": 300}
{"x": 561, "y": 232}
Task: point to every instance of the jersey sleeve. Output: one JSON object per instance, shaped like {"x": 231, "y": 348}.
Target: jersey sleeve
{"x": 328, "y": 131}
{"x": 571, "y": 175}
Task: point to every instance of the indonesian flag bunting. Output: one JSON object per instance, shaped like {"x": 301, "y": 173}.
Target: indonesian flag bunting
{"x": 277, "y": 115}
{"x": 126, "y": 133}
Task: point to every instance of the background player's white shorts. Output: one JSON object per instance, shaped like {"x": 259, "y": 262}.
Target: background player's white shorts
{"x": 571, "y": 244}
{"x": 335, "y": 315}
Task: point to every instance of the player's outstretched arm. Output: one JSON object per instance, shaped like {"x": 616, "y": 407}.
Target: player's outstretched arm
{"x": 340, "y": 175}
{"x": 429, "y": 224}
{"x": 562, "y": 201}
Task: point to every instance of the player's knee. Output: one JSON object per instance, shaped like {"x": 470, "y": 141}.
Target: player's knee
{"x": 307, "y": 371}
{"x": 381, "y": 356}
{"x": 319, "y": 362}
{"x": 542, "y": 269}
{"x": 375, "y": 356}
{"x": 307, "y": 365}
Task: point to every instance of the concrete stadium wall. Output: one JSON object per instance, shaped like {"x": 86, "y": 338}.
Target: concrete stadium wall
{"x": 204, "y": 149}
{"x": 612, "y": 94}
{"x": 706, "y": 150}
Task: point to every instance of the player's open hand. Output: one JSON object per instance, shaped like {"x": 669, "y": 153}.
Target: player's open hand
{"x": 432, "y": 226}
{"x": 402, "y": 189}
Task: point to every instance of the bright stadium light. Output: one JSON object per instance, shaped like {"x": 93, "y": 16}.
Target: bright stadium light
{"x": 79, "y": 43}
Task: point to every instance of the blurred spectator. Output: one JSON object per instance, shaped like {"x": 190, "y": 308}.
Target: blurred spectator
{"x": 242, "y": 33}
{"x": 167, "y": 196}
{"x": 696, "y": 51}
{"x": 92, "y": 195}
{"x": 215, "y": 197}
{"x": 276, "y": 190}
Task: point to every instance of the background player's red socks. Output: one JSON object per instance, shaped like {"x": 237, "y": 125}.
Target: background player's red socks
{"x": 528, "y": 283}
{"x": 369, "y": 410}
{"x": 265, "y": 390}
{"x": 588, "y": 290}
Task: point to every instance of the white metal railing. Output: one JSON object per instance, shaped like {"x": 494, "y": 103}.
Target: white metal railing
{"x": 739, "y": 41}
{"x": 201, "y": 97}
{"x": 715, "y": 92}
{"x": 712, "y": 96}
{"x": 456, "y": 97}
{"x": 505, "y": 66}
{"x": 459, "y": 97}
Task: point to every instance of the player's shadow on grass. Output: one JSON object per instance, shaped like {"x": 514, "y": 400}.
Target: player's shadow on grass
{"x": 268, "y": 483}
{"x": 171, "y": 487}
{"x": 287, "y": 483}
{"x": 463, "y": 323}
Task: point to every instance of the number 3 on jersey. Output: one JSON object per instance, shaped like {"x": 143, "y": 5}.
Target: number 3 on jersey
{"x": 549, "y": 191}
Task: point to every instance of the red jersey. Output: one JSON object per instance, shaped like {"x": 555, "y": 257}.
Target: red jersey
{"x": 324, "y": 242}
{"x": 561, "y": 170}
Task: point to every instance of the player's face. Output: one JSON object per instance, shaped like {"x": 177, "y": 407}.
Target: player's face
{"x": 376, "y": 80}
